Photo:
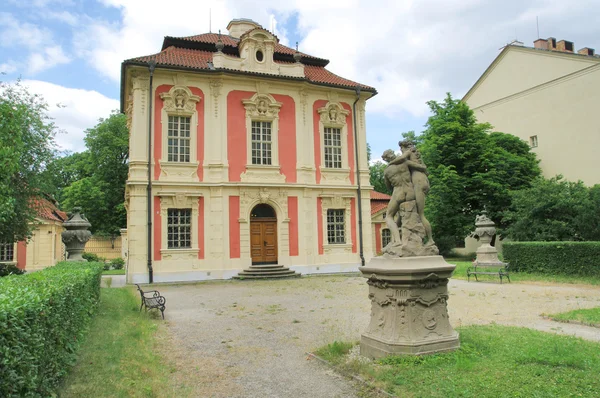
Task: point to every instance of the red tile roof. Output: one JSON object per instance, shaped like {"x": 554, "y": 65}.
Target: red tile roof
{"x": 380, "y": 196}
{"x": 185, "y": 57}
{"x": 212, "y": 38}
{"x": 377, "y": 206}
{"x": 48, "y": 211}
{"x": 379, "y": 201}
{"x": 183, "y": 53}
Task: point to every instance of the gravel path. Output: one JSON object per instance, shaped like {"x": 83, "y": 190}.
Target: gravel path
{"x": 249, "y": 338}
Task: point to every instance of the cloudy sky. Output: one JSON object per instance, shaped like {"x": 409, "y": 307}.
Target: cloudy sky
{"x": 70, "y": 51}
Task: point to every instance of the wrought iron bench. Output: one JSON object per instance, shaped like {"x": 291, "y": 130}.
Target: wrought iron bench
{"x": 501, "y": 271}
{"x": 152, "y": 299}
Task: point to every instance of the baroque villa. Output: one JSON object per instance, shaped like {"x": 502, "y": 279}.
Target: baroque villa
{"x": 256, "y": 151}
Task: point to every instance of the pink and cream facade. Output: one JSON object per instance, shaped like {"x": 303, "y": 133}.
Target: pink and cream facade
{"x": 252, "y": 159}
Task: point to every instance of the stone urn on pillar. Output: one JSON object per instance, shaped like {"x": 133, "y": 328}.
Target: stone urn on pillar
{"x": 76, "y": 235}
{"x": 408, "y": 284}
{"x": 485, "y": 229}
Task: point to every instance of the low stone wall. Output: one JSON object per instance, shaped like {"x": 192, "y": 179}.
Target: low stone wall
{"x": 104, "y": 247}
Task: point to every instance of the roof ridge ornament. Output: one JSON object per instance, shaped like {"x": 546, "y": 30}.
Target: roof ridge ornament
{"x": 219, "y": 43}
{"x": 297, "y": 55}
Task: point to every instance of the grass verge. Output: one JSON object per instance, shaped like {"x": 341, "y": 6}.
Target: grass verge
{"x": 119, "y": 357}
{"x": 493, "y": 361}
{"x": 461, "y": 273}
{"x": 114, "y": 272}
{"x": 590, "y": 316}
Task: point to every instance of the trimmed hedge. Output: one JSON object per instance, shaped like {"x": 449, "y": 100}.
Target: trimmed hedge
{"x": 10, "y": 269}
{"x": 43, "y": 316}
{"x": 554, "y": 258}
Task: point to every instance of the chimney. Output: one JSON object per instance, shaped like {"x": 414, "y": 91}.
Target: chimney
{"x": 586, "y": 51}
{"x": 565, "y": 46}
{"x": 551, "y": 43}
{"x": 541, "y": 44}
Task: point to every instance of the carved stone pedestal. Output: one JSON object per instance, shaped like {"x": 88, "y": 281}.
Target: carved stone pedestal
{"x": 409, "y": 313}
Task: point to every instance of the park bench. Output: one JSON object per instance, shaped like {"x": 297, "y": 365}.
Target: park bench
{"x": 481, "y": 268}
{"x": 152, "y": 299}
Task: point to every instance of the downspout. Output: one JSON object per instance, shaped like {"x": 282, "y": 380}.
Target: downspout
{"x": 360, "y": 222}
{"x": 151, "y": 67}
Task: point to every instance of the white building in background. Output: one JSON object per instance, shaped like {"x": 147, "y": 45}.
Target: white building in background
{"x": 549, "y": 96}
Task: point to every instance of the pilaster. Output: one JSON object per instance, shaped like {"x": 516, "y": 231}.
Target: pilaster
{"x": 138, "y": 135}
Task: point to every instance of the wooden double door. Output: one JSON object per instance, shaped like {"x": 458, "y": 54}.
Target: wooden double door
{"x": 263, "y": 240}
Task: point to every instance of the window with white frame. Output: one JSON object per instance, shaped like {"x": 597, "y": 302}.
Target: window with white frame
{"x": 261, "y": 142}
{"x": 6, "y": 252}
{"x": 333, "y": 147}
{"x": 179, "y": 228}
{"x": 386, "y": 237}
{"x": 178, "y": 135}
{"x": 533, "y": 141}
{"x": 336, "y": 226}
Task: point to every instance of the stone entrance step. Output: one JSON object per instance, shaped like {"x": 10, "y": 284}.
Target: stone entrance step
{"x": 266, "y": 272}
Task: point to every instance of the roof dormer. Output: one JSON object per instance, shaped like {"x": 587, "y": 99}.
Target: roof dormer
{"x": 256, "y": 47}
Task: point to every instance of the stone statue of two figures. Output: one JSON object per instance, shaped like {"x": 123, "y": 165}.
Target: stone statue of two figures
{"x": 406, "y": 176}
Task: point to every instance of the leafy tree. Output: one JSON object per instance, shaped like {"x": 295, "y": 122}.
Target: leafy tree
{"x": 26, "y": 147}
{"x": 469, "y": 169}
{"x": 376, "y": 177}
{"x": 64, "y": 171}
{"x": 101, "y": 172}
{"x": 555, "y": 210}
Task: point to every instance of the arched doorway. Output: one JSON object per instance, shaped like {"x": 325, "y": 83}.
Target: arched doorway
{"x": 263, "y": 235}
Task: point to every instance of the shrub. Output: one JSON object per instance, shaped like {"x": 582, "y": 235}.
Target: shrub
{"x": 554, "y": 258}
{"x": 10, "y": 269}
{"x": 117, "y": 263}
{"x": 92, "y": 257}
{"x": 43, "y": 316}
{"x": 105, "y": 266}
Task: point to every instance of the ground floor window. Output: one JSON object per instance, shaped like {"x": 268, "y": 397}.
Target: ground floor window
{"x": 179, "y": 227}
{"x": 386, "y": 237}
{"x": 6, "y": 252}
{"x": 336, "y": 226}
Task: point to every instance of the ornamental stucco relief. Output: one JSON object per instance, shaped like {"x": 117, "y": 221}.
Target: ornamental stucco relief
{"x": 333, "y": 115}
{"x": 262, "y": 106}
{"x": 180, "y": 101}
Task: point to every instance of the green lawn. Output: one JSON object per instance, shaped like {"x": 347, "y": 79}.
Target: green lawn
{"x": 493, "y": 361}
{"x": 590, "y": 316}
{"x": 119, "y": 356}
{"x": 114, "y": 272}
{"x": 461, "y": 273}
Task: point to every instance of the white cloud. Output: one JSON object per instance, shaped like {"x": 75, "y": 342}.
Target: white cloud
{"x": 278, "y": 31}
{"x": 62, "y": 16}
{"x": 411, "y": 51}
{"x": 48, "y": 58}
{"x": 8, "y": 67}
{"x": 17, "y": 33}
{"x": 105, "y": 45}
{"x": 38, "y": 41}
{"x": 73, "y": 110}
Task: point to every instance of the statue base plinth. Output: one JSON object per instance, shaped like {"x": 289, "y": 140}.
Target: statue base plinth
{"x": 409, "y": 312}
